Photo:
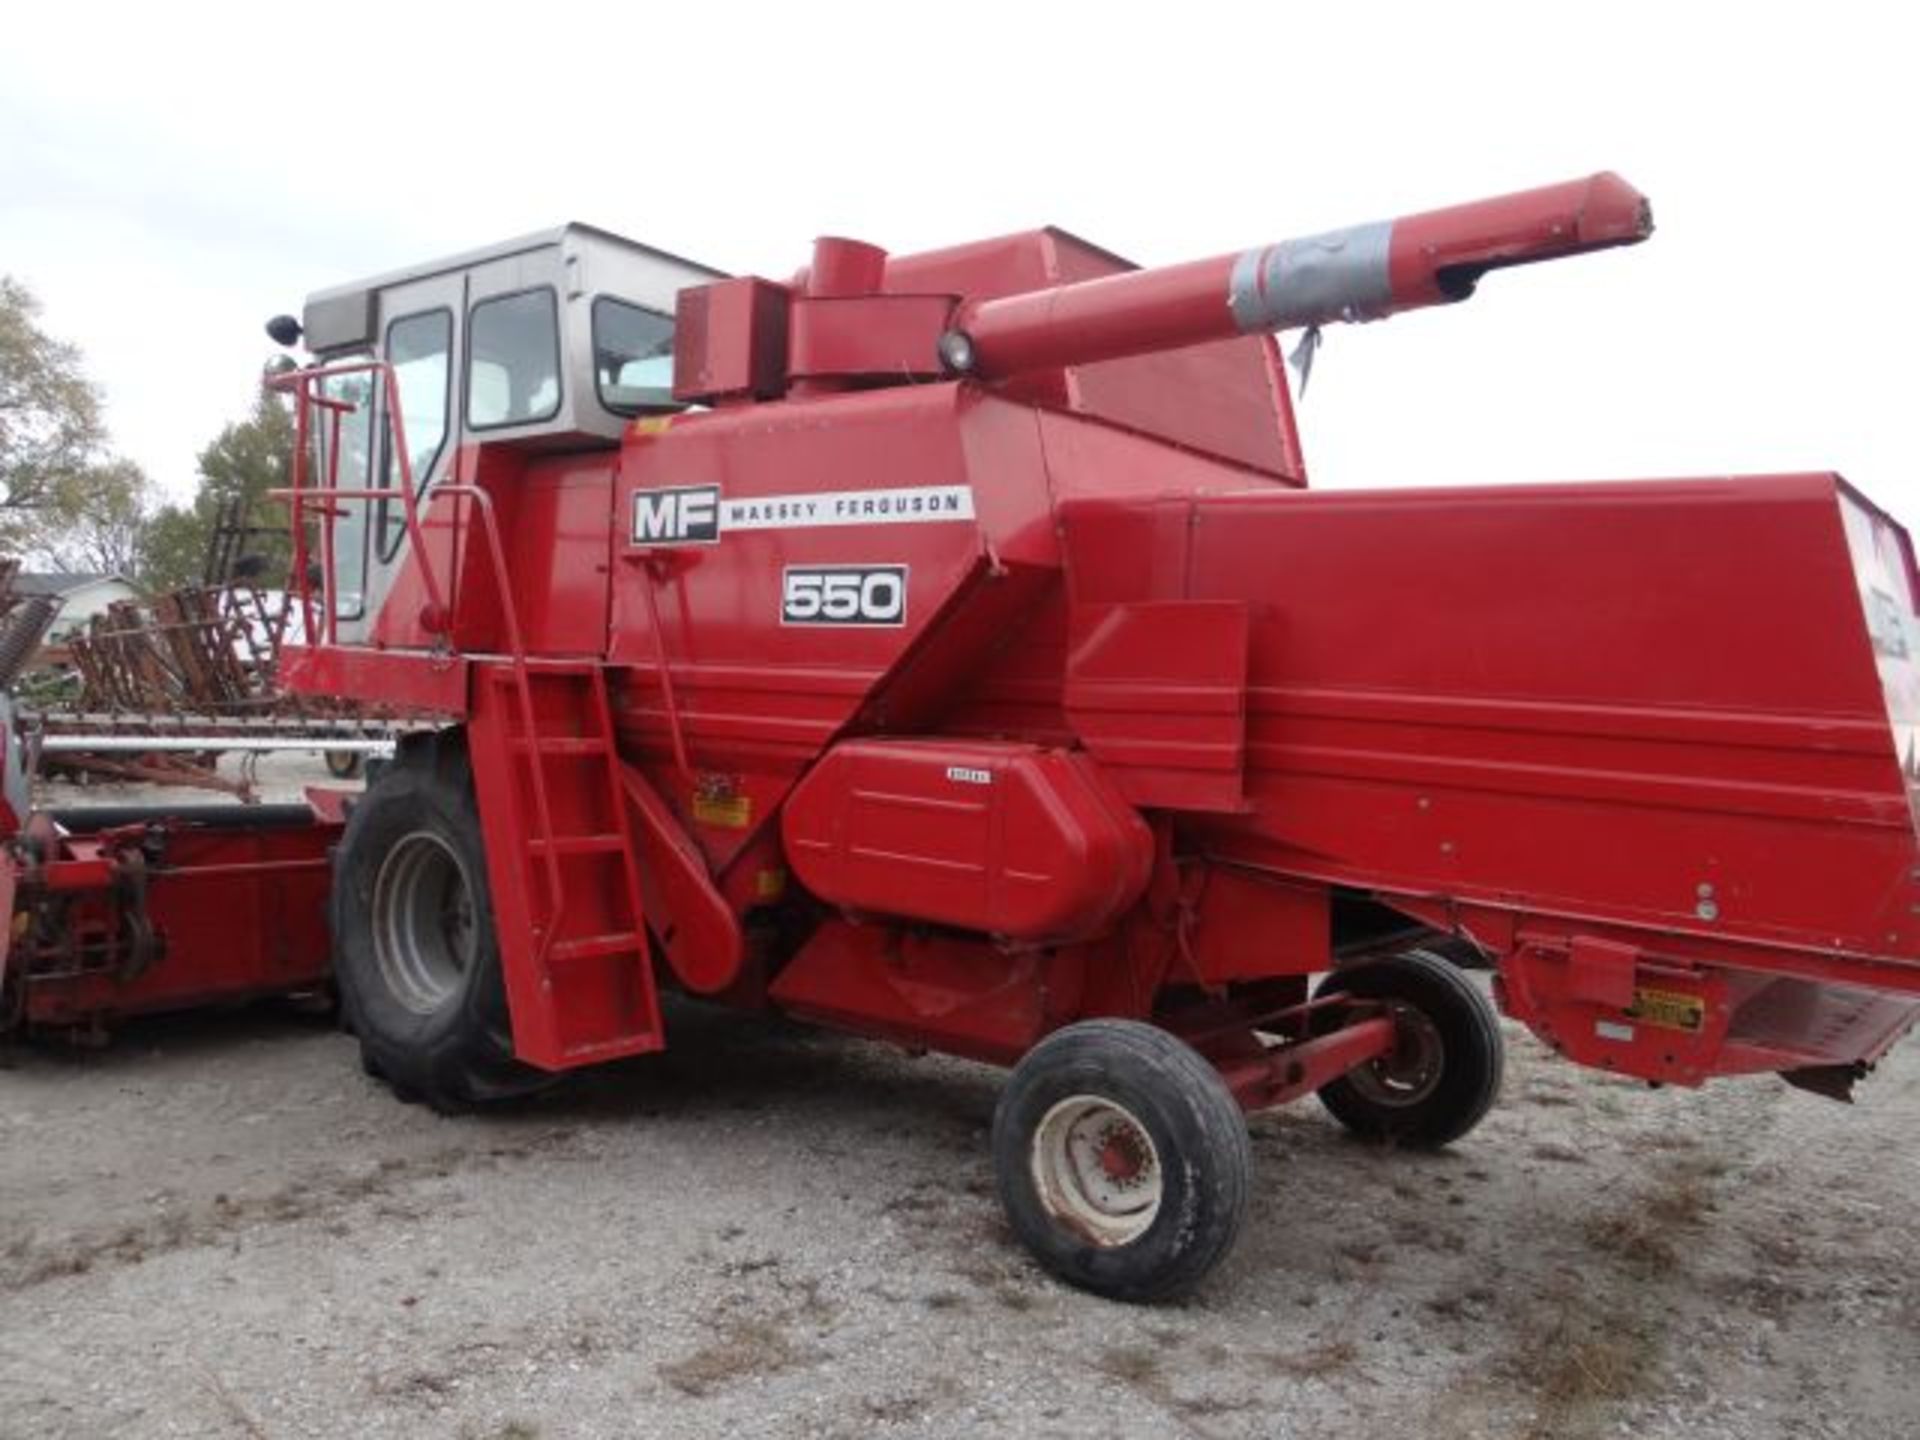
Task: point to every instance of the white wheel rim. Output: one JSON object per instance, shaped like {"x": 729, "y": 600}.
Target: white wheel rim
{"x": 1096, "y": 1170}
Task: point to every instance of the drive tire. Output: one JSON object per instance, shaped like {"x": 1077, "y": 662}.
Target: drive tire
{"x": 1153, "y": 1231}
{"x": 414, "y": 949}
{"x": 1449, "y": 1080}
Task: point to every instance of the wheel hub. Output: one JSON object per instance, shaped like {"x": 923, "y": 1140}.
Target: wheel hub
{"x": 424, "y": 931}
{"x": 1408, "y": 1073}
{"x": 1121, "y": 1155}
{"x": 1096, "y": 1170}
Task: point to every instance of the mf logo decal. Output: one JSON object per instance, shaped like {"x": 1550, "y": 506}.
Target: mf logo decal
{"x": 683, "y": 515}
{"x": 843, "y": 595}
{"x": 697, "y": 515}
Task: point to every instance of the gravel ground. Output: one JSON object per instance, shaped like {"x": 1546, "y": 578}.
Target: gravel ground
{"x": 218, "y": 1226}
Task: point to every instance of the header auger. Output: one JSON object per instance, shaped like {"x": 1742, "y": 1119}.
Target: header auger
{"x": 947, "y": 648}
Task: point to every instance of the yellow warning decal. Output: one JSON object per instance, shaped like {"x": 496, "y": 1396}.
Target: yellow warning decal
{"x": 729, "y": 812}
{"x": 648, "y": 425}
{"x": 1670, "y": 1009}
{"x": 769, "y": 884}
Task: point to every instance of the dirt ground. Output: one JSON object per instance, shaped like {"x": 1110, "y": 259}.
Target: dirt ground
{"x": 219, "y": 1226}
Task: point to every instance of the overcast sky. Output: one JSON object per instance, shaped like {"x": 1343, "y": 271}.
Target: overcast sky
{"x": 171, "y": 175}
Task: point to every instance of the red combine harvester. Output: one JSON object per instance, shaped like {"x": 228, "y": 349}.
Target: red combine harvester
{"x": 946, "y": 648}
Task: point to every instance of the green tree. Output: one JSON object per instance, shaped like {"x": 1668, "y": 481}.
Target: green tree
{"x": 246, "y": 460}
{"x": 104, "y": 519}
{"x": 63, "y": 499}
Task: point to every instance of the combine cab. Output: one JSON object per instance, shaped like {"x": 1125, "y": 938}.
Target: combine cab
{"x": 947, "y": 648}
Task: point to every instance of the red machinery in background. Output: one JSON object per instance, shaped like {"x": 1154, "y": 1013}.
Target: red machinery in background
{"x": 128, "y": 910}
{"x": 952, "y": 653}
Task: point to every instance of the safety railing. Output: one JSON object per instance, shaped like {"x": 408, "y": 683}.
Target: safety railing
{"x": 324, "y": 502}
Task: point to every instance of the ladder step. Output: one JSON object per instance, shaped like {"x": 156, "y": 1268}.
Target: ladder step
{"x": 580, "y": 844}
{"x": 588, "y": 946}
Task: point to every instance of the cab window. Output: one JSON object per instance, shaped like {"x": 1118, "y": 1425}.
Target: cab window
{"x": 513, "y": 360}
{"x": 632, "y": 356}
{"x": 350, "y": 469}
{"x": 420, "y": 349}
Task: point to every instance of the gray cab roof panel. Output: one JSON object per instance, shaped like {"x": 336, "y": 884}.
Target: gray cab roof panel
{"x": 345, "y": 316}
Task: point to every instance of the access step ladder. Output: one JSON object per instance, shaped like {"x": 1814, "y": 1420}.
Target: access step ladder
{"x": 560, "y": 856}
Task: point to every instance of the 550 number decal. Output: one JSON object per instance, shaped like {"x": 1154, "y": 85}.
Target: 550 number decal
{"x": 843, "y": 595}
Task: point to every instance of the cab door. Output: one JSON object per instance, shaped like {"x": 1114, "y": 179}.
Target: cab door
{"x": 421, "y": 327}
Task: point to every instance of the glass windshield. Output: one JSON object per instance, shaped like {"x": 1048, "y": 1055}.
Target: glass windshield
{"x": 353, "y": 470}
{"x": 632, "y": 356}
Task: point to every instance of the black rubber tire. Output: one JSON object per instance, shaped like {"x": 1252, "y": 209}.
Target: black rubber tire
{"x": 1472, "y": 1051}
{"x": 1198, "y": 1133}
{"x": 458, "y": 1053}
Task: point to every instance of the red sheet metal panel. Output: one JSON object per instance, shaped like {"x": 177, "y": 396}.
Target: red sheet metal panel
{"x": 558, "y": 554}
{"x": 1228, "y": 398}
{"x": 920, "y": 988}
{"x": 415, "y": 680}
{"x": 1157, "y": 691}
{"x": 1649, "y": 704}
{"x": 731, "y": 340}
{"x": 1250, "y": 926}
{"x": 1010, "y": 839}
{"x": 693, "y": 925}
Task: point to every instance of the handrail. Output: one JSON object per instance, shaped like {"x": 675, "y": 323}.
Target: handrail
{"x": 300, "y": 384}
{"x": 299, "y": 496}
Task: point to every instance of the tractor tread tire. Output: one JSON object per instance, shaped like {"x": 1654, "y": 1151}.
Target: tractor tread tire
{"x": 459, "y": 1055}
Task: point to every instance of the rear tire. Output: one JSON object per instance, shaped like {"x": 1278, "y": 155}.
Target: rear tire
{"x": 414, "y": 950}
{"x": 1122, "y": 1159}
{"x": 1445, "y": 1073}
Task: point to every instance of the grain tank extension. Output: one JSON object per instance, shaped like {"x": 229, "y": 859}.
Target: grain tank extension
{"x": 949, "y": 649}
